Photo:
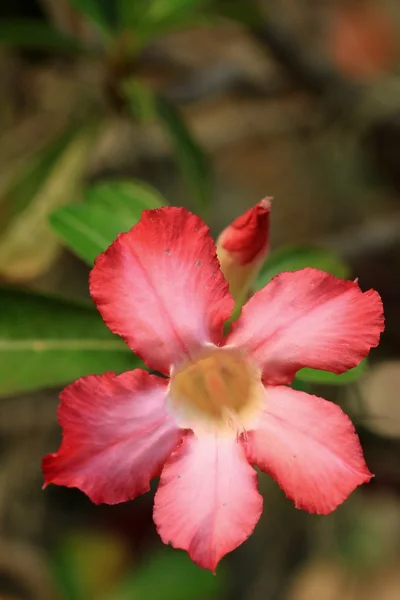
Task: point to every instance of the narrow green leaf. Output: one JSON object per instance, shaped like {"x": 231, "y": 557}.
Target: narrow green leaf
{"x": 244, "y": 12}
{"x": 47, "y": 341}
{"x": 328, "y": 378}
{"x": 160, "y": 11}
{"x": 170, "y": 575}
{"x": 131, "y": 12}
{"x": 27, "y": 245}
{"x": 86, "y": 230}
{"x": 294, "y": 258}
{"x": 301, "y": 386}
{"x": 102, "y": 12}
{"x": 141, "y": 100}
{"x": 108, "y": 209}
{"x": 152, "y": 18}
{"x": 22, "y": 185}
{"x": 35, "y": 34}
{"x": 194, "y": 162}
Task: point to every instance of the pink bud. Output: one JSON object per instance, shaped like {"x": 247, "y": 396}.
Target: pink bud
{"x": 243, "y": 246}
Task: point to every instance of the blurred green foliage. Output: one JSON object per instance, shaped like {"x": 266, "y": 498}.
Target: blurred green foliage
{"x": 23, "y": 185}
{"x": 33, "y": 34}
{"x": 90, "y": 565}
{"x": 125, "y": 28}
{"x": 193, "y": 161}
{"x": 171, "y": 575}
{"x": 102, "y": 12}
{"x": 43, "y": 183}
{"x": 328, "y": 378}
{"x": 293, "y": 258}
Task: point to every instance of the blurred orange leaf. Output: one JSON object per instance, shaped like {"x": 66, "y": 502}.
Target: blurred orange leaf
{"x": 362, "y": 40}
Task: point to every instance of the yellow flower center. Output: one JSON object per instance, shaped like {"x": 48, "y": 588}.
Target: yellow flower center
{"x": 220, "y": 387}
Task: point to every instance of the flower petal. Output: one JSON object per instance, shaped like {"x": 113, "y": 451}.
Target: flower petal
{"x": 309, "y": 446}
{"x": 308, "y": 319}
{"x": 160, "y": 287}
{"x": 207, "y": 502}
{"x": 116, "y": 436}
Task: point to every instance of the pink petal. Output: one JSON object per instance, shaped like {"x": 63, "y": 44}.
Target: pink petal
{"x": 308, "y": 319}
{"x": 207, "y": 502}
{"x": 309, "y": 446}
{"x": 160, "y": 287}
{"x": 116, "y": 436}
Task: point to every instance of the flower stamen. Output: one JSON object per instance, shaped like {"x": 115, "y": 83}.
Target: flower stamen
{"x": 220, "y": 387}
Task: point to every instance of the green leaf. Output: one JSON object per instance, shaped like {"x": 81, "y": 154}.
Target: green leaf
{"x": 31, "y": 34}
{"x": 170, "y": 575}
{"x": 102, "y": 12}
{"x": 65, "y": 576}
{"x": 131, "y": 12}
{"x": 294, "y": 258}
{"x": 27, "y": 245}
{"x": 194, "y": 162}
{"x": 85, "y": 562}
{"x": 301, "y": 386}
{"x": 141, "y": 100}
{"x": 108, "y": 209}
{"x": 244, "y": 12}
{"x": 160, "y": 11}
{"x": 328, "y": 378}
{"x": 48, "y": 341}
{"x": 152, "y": 18}
{"x": 23, "y": 184}
{"x": 128, "y": 11}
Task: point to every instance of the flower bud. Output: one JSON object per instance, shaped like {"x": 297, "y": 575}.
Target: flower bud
{"x": 243, "y": 246}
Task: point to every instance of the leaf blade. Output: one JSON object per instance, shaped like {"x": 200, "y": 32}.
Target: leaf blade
{"x": 108, "y": 209}
{"x": 170, "y": 575}
{"x": 47, "y": 341}
{"x": 327, "y": 378}
{"x": 294, "y": 258}
{"x": 193, "y": 161}
{"x": 28, "y": 247}
{"x": 35, "y": 34}
{"x": 102, "y": 12}
{"x": 160, "y": 11}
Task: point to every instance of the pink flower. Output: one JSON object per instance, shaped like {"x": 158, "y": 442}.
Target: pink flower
{"x": 225, "y": 406}
{"x": 243, "y": 246}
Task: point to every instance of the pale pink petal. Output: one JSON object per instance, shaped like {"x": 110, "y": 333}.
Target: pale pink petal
{"x": 309, "y": 446}
{"x": 160, "y": 287}
{"x": 207, "y": 502}
{"x": 308, "y": 319}
{"x": 116, "y": 436}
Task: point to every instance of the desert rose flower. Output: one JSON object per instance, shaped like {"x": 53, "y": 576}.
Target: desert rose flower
{"x": 242, "y": 248}
{"x": 224, "y": 404}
